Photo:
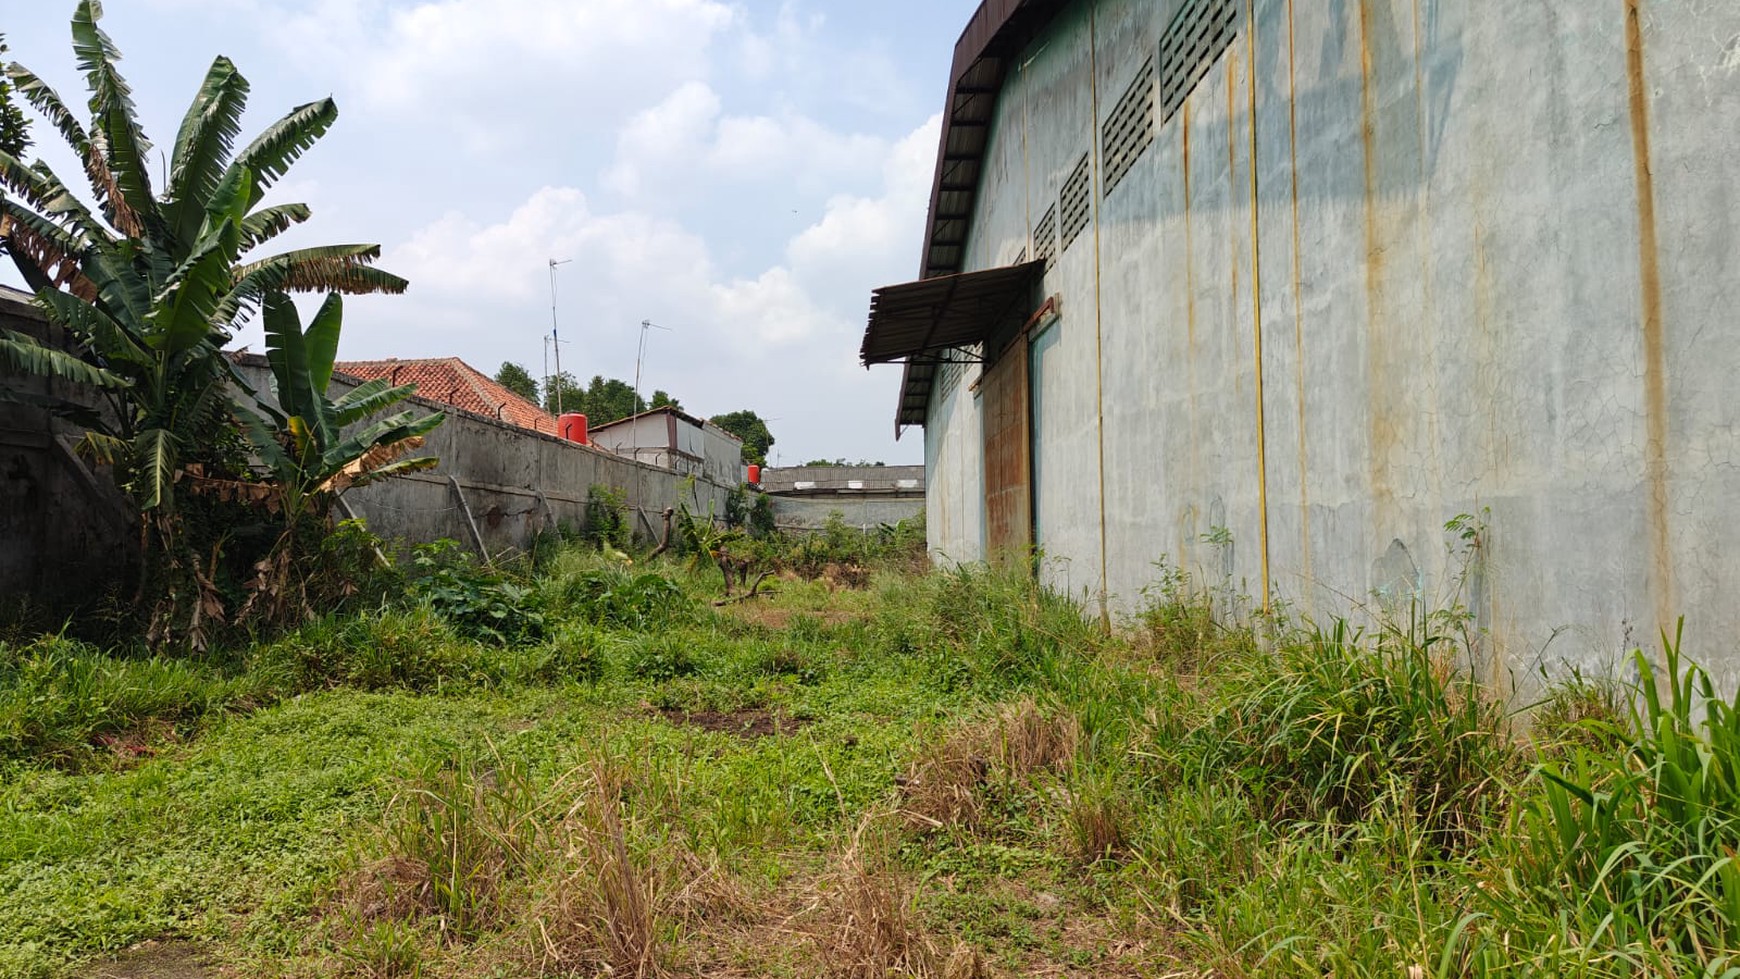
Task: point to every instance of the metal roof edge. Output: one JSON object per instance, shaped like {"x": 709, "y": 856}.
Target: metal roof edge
{"x": 997, "y": 28}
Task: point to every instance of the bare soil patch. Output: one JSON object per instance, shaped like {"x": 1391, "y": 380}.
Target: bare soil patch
{"x": 157, "y": 960}
{"x": 746, "y": 724}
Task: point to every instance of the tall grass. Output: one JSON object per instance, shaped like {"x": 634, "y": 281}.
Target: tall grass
{"x": 1632, "y": 853}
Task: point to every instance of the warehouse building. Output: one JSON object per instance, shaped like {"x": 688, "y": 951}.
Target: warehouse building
{"x": 1271, "y": 291}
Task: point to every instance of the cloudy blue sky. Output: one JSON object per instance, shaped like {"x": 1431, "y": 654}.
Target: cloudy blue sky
{"x": 743, "y": 173}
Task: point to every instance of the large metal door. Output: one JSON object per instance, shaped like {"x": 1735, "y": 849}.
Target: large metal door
{"x": 1008, "y": 464}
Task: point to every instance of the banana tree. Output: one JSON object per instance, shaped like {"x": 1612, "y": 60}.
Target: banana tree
{"x": 153, "y": 285}
{"x": 313, "y": 447}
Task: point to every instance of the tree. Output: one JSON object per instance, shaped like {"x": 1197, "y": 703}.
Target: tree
{"x": 14, "y": 127}
{"x": 662, "y": 400}
{"x": 602, "y": 401}
{"x": 749, "y": 427}
{"x": 151, "y": 286}
{"x": 518, "y": 380}
{"x": 841, "y": 463}
{"x": 303, "y": 441}
{"x": 316, "y": 448}
{"x": 155, "y": 284}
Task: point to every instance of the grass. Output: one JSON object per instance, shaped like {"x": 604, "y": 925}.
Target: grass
{"x": 948, "y": 775}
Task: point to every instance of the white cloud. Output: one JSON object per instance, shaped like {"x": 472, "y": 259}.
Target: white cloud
{"x": 686, "y": 144}
{"x": 782, "y": 339}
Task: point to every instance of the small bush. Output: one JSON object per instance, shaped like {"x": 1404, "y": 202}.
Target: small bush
{"x": 479, "y": 604}
{"x": 607, "y": 522}
{"x": 60, "y": 697}
{"x": 658, "y": 658}
{"x": 616, "y": 598}
{"x": 575, "y": 654}
{"x": 1339, "y": 728}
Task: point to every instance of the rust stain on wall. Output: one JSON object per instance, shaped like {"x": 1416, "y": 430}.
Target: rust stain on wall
{"x": 1381, "y": 433}
{"x": 1654, "y": 345}
{"x": 1184, "y": 120}
{"x": 1232, "y": 163}
{"x": 1298, "y": 298}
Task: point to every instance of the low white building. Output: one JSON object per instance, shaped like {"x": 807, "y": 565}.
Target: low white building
{"x": 673, "y": 439}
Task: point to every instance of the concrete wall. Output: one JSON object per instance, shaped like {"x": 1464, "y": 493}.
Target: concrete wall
{"x": 887, "y": 479}
{"x": 516, "y": 482}
{"x": 805, "y": 513}
{"x": 1396, "y": 261}
{"x": 61, "y": 522}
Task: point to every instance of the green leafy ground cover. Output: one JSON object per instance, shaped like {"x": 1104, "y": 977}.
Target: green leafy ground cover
{"x": 948, "y": 775}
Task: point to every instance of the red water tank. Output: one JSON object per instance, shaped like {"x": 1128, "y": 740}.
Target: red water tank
{"x": 573, "y": 428}
{"x": 755, "y": 475}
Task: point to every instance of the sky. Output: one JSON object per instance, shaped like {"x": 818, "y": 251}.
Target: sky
{"x": 742, "y": 174}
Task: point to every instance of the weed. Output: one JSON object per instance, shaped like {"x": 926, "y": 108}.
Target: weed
{"x": 469, "y": 822}
{"x": 1647, "y": 838}
{"x": 988, "y": 765}
{"x": 478, "y": 604}
{"x": 658, "y": 658}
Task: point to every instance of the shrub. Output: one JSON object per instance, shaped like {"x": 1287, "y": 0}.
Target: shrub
{"x": 478, "y": 603}
{"x": 616, "y": 598}
{"x": 58, "y": 697}
{"x": 1338, "y": 728}
{"x": 659, "y": 658}
{"x": 607, "y": 523}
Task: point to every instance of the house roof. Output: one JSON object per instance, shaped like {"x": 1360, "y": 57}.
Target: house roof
{"x": 452, "y": 381}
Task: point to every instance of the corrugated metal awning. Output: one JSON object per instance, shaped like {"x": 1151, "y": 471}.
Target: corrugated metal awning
{"x": 919, "y": 322}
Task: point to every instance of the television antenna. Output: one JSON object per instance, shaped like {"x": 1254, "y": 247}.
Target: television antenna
{"x": 554, "y": 340}
{"x": 646, "y": 326}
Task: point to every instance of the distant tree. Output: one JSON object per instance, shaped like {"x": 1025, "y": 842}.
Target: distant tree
{"x": 749, "y": 427}
{"x": 14, "y": 127}
{"x": 518, "y": 380}
{"x": 563, "y": 393}
{"x": 662, "y": 400}
{"x": 603, "y": 400}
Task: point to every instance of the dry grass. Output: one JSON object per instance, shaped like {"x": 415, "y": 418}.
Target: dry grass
{"x": 597, "y": 908}
{"x": 949, "y": 785}
{"x": 864, "y": 925}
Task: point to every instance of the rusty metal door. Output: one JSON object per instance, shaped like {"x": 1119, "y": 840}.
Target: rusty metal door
{"x": 1008, "y": 462}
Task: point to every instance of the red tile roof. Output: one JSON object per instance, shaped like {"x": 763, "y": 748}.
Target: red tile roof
{"x": 452, "y": 381}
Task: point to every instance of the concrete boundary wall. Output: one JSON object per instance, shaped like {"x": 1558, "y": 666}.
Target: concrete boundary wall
{"x": 61, "y": 525}
{"x": 516, "y": 482}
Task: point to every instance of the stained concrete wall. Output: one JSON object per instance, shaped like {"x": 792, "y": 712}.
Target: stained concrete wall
{"x": 516, "y": 482}
{"x": 866, "y": 513}
{"x": 1395, "y": 261}
{"x": 61, "y": 522}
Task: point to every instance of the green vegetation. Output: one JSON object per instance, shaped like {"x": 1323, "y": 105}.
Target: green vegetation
{"x": 517, "y": 379}
{"x": 603, "y": 400}
{"x": 151, "y": 285}
{"x": 749, "y": 427}
{"x": 589, "y": 766}
{"x": 14, "y": 127}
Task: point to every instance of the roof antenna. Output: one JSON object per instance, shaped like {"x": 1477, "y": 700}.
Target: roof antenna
{"x": 555, "y": 337}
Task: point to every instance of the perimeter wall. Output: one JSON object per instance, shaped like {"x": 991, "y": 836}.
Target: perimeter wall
{"x": 1394, "y": 262}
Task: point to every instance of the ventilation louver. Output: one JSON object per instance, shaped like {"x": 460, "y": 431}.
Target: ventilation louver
{"x": 1130, "y": 128}
{"x": 1045, "y": 238}
{"x": 1073, "y": 203}
{"x": 1195, "y": 40}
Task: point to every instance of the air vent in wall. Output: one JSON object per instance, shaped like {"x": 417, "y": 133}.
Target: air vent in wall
{"x": 1073, "y": 203}
{"x": 1196, "y": 39}
{"x": 1130, "y": 128}
{"x": 1045, "y": 238}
